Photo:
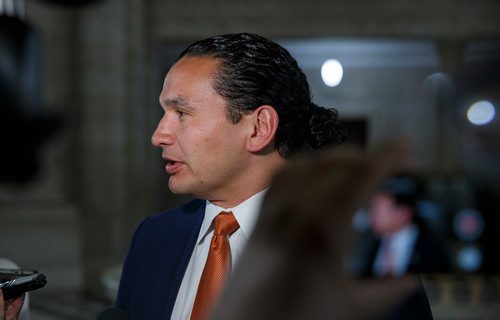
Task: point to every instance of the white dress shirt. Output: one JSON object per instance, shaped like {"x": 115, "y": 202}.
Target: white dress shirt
{"x": 401, "y": 244}
{"x": 246, "y": 213}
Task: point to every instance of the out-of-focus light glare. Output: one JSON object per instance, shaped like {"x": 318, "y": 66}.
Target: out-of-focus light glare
{"x": 481, "y": 112}
{"x": 332, "y": 72}
{"x": 468, "y": 224}
{"x": 469, "y": 259}
{"x": 439, "y": 83}
{"x": 361, "y": 221}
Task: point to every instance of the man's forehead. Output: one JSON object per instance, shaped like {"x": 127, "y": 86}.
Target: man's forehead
{"x": 190, "y": 68}
{"x": 187, "y": 78}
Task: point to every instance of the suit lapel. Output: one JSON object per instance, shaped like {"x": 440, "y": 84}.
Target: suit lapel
{"x": 184, "y": 232}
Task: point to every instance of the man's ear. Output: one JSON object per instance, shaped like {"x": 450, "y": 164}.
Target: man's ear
{"x": 265, "y": 124}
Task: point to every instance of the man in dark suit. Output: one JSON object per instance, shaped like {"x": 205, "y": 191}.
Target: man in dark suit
{"x": 404, "y": 243}
{"x": 235, "y": 108}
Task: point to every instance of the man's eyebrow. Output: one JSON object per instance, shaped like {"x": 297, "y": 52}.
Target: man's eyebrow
{"x": 176, "y": 101}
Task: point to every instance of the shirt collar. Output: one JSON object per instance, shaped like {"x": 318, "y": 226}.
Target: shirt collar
{"x": 246, "y": 213}
{"x": 404, "y": 236}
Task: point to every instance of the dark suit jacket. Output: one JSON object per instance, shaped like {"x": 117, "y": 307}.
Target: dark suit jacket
{"x": 428, "y": 255}
{"x": 157, "y": 260}
{"x": 158, "y": 257}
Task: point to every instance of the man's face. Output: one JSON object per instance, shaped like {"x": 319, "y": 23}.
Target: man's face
{"x": 205, "y": 153}
{"x": 386, "y": 216}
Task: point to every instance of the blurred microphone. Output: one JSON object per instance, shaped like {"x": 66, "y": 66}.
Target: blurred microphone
{"x": 112, "y": 314}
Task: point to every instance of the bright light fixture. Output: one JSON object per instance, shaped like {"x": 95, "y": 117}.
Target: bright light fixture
{"x": 332, "y": 72}
{"x": 481, "y": 112}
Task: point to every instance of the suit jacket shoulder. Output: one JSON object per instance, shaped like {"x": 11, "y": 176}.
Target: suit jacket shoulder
{"x": 156, "y": 261}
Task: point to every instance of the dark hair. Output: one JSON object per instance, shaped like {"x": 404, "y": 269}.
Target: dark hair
{"x": 404, "y": 188}
{"x": 255, "y": 71}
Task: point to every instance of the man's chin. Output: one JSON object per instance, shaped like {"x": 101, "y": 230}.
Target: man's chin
{"x": 178, "y": 188}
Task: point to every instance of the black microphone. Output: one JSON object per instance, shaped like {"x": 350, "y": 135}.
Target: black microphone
{"x": 112, "y": 314}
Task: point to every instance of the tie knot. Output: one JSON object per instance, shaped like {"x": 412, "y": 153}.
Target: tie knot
{"x": 225, "y": 224}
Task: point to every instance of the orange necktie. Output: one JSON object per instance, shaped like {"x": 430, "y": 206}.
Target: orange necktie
{"x": 217, "y": 267}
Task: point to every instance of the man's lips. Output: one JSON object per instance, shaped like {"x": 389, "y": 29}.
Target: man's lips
{"x": 172, "y": 166}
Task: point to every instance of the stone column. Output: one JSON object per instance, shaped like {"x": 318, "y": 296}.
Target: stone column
{"x": 114, "y": 150}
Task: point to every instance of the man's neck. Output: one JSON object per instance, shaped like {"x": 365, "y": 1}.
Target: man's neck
{"x": 257, "y": 177}
{"x": 235, "y": 201}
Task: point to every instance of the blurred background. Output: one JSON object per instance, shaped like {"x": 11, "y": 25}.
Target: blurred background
{"x": 89, "y": 74}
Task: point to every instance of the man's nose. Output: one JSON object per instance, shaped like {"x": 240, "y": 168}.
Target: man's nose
{"x": 162, "y": 136}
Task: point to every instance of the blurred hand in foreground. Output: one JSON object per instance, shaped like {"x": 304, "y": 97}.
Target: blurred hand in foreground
{"x": 10, "y": 309}
{"x": 294, "y": 265}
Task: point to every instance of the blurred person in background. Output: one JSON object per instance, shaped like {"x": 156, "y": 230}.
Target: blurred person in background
{"x": 295, "y": 264}
{"x": 404, "y": 243}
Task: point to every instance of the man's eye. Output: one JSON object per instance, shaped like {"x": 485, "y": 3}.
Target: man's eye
{"x": 180, "y": 113}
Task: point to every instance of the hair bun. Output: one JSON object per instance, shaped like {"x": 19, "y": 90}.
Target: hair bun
{"x": 325, "y": 129}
